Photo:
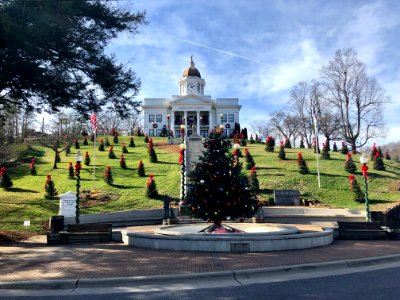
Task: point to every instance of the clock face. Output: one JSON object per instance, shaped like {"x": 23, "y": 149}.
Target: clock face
{"x": 191, "y": 87}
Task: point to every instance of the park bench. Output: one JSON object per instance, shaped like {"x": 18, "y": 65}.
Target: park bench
{"x": 286, "y": 197}
{"x": 361, "y": 231}
{"x": 88, "y": 233}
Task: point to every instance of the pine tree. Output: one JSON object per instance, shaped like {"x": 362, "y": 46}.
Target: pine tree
{"x": 349, "y": 165}
{"x": 152, "y": 155}
{"x": 325, "y": 152}
{"x": 101, "y": 146}
{"x": 108, "y": 177}
{"x": 141, "y": 170}
{"x": 303, "y": 168}
{"x": 5, "y": 180}
{"x": 51, "y": 192}
{"x": 288, "y": 145}
{"x": 150, "y": 145}
{"x": 302, "y": 143}
{"x": 387, "y": 155}
{"x": 122, "y": 162}
{"x": 124, "y": 149}
{"x": 107, "y": 142}
{"x": 85, "y": 141}
{"x": 32, "y": 166}
{"x": 87, "y": 158}
{"x": 77, "y": 146}
{"x": 269, "y": 144}
{"x": 254, "y": 184}
{"x": 151, "y": 188}
{"x": 219, "y": 188}
{"x": 282, "y": 154}
{"x": 358, "y": 194}
{"x": 132, "y": 142}
{"x": 335, "y": 149}
{"x": 251, "y": 139}
{"x": 243, "y": 142}
{"x": 115, "y": 140}
{"x": 257, "y": 140}
{"x": 71, "y": 171}
{"x": 380, "y": 152}
{"x": 111, "y": 153}
{"x": 249, "y": 159}
{"x": 344, "y": 149}
{"x": 146, "y": 138}
{"x": 378, "y": 162}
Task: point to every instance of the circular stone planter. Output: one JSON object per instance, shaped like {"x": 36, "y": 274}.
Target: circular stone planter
{"x": 256, "y": 238}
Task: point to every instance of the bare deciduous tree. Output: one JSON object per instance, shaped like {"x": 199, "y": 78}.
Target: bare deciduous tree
{"x": 261, "y": 128}
{"x": 357, "y": 98}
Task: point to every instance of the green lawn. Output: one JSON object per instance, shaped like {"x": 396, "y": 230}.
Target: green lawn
{"x": 25, "y": 201}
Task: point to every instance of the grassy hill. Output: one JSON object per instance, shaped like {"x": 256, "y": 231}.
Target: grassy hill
{"x": 25, "y": 201}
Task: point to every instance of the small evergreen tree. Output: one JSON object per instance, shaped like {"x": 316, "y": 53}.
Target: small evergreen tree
{"x": 77, "y": 146}
{"x": 32, "y": 166}
{"x": 349, "y": 165}
{"x": 243, "y": 142}
{"x": 101, "y": 146}
{"x": 5, "y": 180}
{"x": 92, "y": 137}
{"x": 373, "y": 152}
{"x": 380, "y": 152}
{"x": 70, "y": 171}
{"x": 108, "y": 177}
{"x": 51, "y": 192}
{"x": 151, "y": 188}
{"x": 288, "y": 144}
{"x": 87, "y": 158}
{"x": 251, "y": 139}
{"x": 257, "y": 140}
{"x": 85, "y": 141}
{"x": 254, "y": 184}
{"x": 249, "y": 159}
{"x": 141, "y": 171}
{"x": 132, "y": 142}
{"x": 122, "y": 162}
{"x": 325, "y": 152}
{"x": 152, "y": 154}
{"x": 334, "y": 149}
{"x": 124, "y": 149}
{"x": 107, "y": 142}
{"x": 303, "y": 168}
{"x": 269, "y": 144}
{"x": 344, "y": 149}
{"x": 387, "y": 155}
{"x": 150, "y": 145}
{"x": 378, "y": 162}
{"x": 358, "y": 194}
{"x": 146, "y": 138}
{"x": 282, "y": 153}
{"x": 111, "y": 153}
{"x": 115, "y": 139}
{"x": 302, "y": 143}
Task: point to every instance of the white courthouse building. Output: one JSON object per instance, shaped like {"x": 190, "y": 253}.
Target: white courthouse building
{"x": 191, "y": 108}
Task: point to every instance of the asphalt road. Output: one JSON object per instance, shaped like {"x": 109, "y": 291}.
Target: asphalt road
{"x": 376, "y": 284}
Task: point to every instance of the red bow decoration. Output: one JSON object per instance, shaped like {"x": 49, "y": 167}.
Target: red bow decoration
{"x": 47, "y": 181}
{"x": 150, "y": 180}
{"x": 352, "y": 178}
{"x": 246, "y": 151}
{"x": 235, "y": 152}
{"x": 180, "y": 157}
{"x": 376, "y": 154}
{"x": 364, "y": 169}
{"x": 2, "y": 171}
{"x": 86, "y": 154}
{"x": 253, "y": 170}
{"x": 348, "y": 156}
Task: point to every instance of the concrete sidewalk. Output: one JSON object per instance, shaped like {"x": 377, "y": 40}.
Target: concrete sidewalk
{"x": 33, "y": 260}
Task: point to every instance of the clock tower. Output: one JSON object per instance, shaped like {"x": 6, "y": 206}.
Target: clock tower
{"x": 191, "y": 82}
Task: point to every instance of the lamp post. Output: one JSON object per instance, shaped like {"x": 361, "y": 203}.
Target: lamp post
{"x": 182, "y": 147}
{"x": 364, "y": 168}
{"x": 183, "y": 126}
{"x": 78, "y": 159}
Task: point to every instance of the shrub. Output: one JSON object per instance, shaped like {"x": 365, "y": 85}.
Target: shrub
{"x": 282, "y": 153}
{"x": 344, "y": 149}
{"x": 115, "y": 140}
{"x": 387, "y": 155}
{"x": 111, "y": 153}
{"x": 151, "y": 188}
{"x": 85, "y": 141}
{"x": 378, "y": 162}
{"x": 5, "y": 180}
{"x": 302, "y": 143}
{"x": 51, "y": 192}
{"x": 132, "y": 142}
{"x": 349, "y": 165}
{"x": 32, "y": 166}
{"x": 325, "y": 152}
{"x": 122, "y": 162}
{"x": 334, "y": 149}
{"x": 358, "y": 194}
{"x": 107, "y": 142}
{"x": 141, "y": 171}
{"x": 77, "y": 146}
{"x": 124, "y": 149}
{"x": 303, "y": 168}
{"x": 254, "y": 184}
{"x": 70, "y": 171}
{"x": 249, "y": 159}
{"x": 146, "y": 138}
{"x": 251, "y": 139}
{"x": 269, "y": 144}
{"x": 288, "y": 145}
{"x": 101, "y": 146}
{"x": 108, "y": 177}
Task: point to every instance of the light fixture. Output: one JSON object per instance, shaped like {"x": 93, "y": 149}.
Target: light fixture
{"x": 79, "y": 157}
{"x": 236, "y": 146}
{"x": 182, "y": 146}
{"x": 364, "y": 158}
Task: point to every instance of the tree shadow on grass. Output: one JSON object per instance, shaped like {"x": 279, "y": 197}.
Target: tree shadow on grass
{"x": 329, "y": 175}
{"x": 166, "y": 163}
{"x": 379, "y": 201}
{"x": 125, "y": 187}
{"x": 267, "y": 168}
{"x": 20, "y": 190}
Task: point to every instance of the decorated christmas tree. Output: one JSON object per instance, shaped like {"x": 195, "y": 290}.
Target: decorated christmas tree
{"x": 115, "y": 139}
{"x": 344, "y": 149}
{"x": 107, "y": 142}
{"x": 358, "y": 194}
{"x": 32, "y": 166}
{"x": 108, "y": 178}
{"x": 254, "y": 184}
{"x": 111, "y": 153}
{"x": 87, "y": 158}
{"x": 269, "y": 144}
{"x": 303, "y": 168}
{"x": 380, "y": 152}
{"x": 141, "y": 171}
{"x": 77, "y": 146}
{"x": 5, "y": 180}
{"x": 282, "y": 153}
{"x": 70, "y": 171}
{"x": 150, "y": 145}
{"x": 146, "y": 138}
{"x": 373, "y": 152}
{"x": 249, "y": 159}
{"x": 378, "y": 162}
{"x": 132, "y": 142}
{"x": 152, "y": 153}
{"x": 288, "y": 144}
{"x": 349, "y": 165}
{"x": 251, "y": 139}
{"x": 101, "y": 146}
{"x": 243, "y": 142}
{"x": 334, "y": 149}
{"x": 302, "y": 143}
{"x": 219, "y": 189}
{"x": 122, "y": 162}
{"x": 51, "y": 192}
{"x": 387, "y": 155}
{"x": 325, "y": 152}
{"x": 124, "y": 149}
{"x": 85, "y": 141}
{"x": 151, "y": 188}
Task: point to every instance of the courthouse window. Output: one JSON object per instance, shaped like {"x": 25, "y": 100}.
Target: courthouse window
{"x": 231, "y": 118}
{"x": 151, "y": 118}
{"x": 159, "y": 118}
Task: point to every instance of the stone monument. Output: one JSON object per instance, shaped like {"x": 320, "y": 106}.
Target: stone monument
{"x": 67, "y": 204}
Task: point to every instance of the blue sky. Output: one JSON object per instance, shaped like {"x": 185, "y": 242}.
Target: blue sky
{"x": 258, "y": 50}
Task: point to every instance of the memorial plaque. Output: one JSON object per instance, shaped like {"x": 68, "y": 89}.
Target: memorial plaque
{"x": 240, "y": 247}
{"x": 67, "y": 205}
{"x": 287, "y": 197}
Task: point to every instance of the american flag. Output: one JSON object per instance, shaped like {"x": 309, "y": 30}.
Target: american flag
{"x": 93, "y": 120}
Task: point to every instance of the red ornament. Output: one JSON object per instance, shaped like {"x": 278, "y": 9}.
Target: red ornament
{"x": 351, "y": 178}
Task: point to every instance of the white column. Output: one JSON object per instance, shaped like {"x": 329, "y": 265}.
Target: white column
{"x": 173, "y": 123}
{"x": 210, "y": 120}
{"x": 185, "y": 118}
{"x": 198, "y": 123}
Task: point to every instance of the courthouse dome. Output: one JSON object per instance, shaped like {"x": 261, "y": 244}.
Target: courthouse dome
{"x": 191, "y": 71}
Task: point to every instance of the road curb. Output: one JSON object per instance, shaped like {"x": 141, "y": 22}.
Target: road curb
{"x": 234, "y": 275}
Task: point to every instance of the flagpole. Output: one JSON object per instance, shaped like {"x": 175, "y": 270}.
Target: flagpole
{"x": 94, "y": 160}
